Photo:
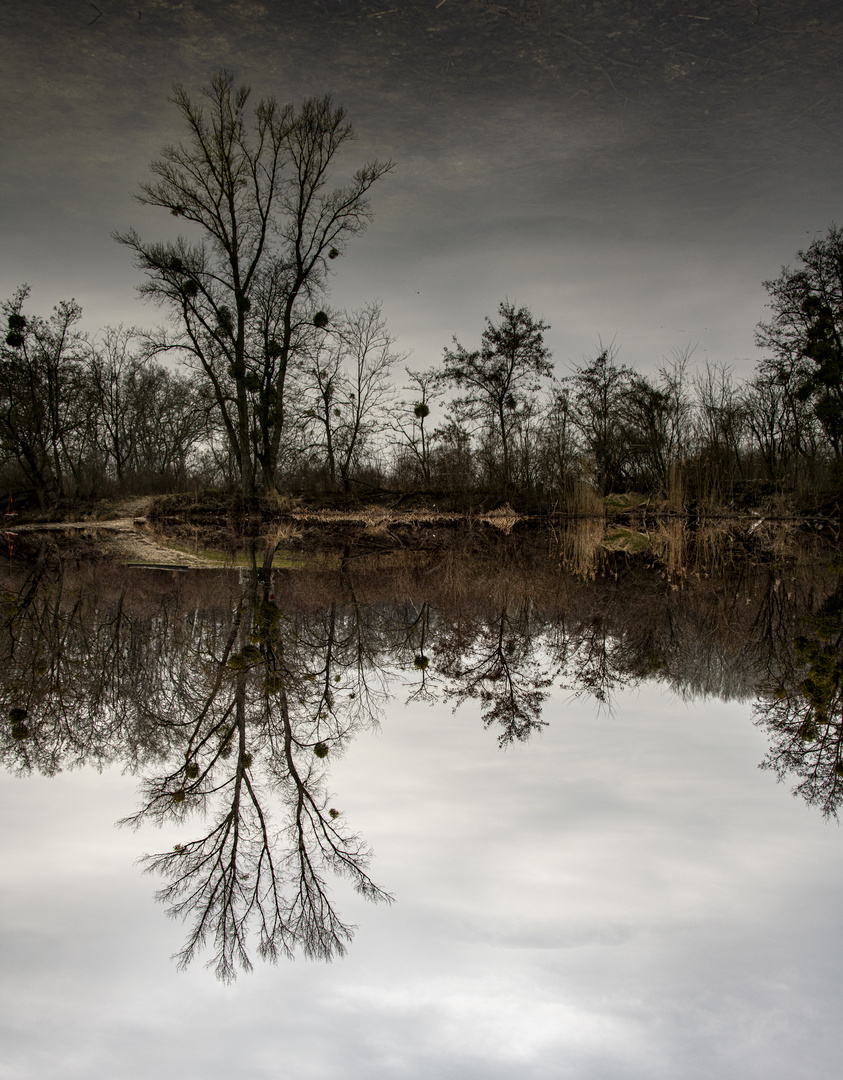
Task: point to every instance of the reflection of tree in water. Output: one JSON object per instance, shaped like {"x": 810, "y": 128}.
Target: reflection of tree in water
{"x": 411, "y": 626}
{"x": 232, "y": 700}
{"x": 498, "y": 662}
{"x": 265, "y": 724}
{"x": 804, "y": 713}
{"x": 227, "y": 714}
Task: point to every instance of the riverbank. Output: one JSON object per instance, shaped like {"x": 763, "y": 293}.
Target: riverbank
{"x": 214, "y": 530}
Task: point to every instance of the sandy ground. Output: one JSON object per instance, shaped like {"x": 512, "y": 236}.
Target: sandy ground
{"x": 126, "y": 537}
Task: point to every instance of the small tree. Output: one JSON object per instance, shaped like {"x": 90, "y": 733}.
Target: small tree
{"x": 500, "y": 379}
{"x": 347, "y": 379}
{"x": 656, "y": 416}
{"x": 556, "y": 443}
{"x": 244, "y": 295}
{"x": 412, "y": 436}
{"x": 113, "y": 367}
{"x": 600, "y": 387}
{"x": 721, "y": 457}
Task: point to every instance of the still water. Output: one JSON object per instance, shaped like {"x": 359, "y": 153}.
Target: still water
{"x": 521, "y": 795}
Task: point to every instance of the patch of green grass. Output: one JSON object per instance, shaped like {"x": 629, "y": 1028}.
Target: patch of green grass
{"x": 283, "y": 560}
{"x": 626, "y": 540}
{"x": 629, "y": 500}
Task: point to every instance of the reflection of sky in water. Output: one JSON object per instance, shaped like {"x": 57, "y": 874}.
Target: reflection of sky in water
{"x": 628, "y": 169}
{"x": 624, "y": 896}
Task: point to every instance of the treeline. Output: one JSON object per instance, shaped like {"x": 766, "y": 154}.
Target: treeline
{"x": 273, "y": 390}
{"x": 97, "y": 660}
{"x": 85, "y": 417}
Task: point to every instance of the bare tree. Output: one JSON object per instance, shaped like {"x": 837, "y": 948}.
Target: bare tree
{"x": 150, "y": 421}
{"x": 720, "y": 430}
{"x": 243, "y": 294}
{"x": 600, "y": 386}
{"x": 656, "y": 420}
{"x": 412, "y": 434}
{"x": 347, "y": 382}
{"x": 113, "y": 366}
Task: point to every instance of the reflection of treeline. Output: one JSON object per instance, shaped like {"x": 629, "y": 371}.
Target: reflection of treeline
{"x": 705, "y": 611}
{"x": 230, "y": 694}
{"x": 500, "y": 618}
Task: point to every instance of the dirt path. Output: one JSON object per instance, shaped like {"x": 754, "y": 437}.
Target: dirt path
{"x": 126, "y": 537}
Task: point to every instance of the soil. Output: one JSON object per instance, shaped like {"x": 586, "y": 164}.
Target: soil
{"x": 216, "y": 530}
{"x": 120, "y": 532}
{"x": 183, "y": 532}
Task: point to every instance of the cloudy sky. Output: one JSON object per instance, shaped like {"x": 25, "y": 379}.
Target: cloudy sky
{"x": 629, "y": 170}
{"x": 626, "y": 897}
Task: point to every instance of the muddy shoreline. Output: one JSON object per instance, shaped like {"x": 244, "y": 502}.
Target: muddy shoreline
{"x": 214, "y": 532}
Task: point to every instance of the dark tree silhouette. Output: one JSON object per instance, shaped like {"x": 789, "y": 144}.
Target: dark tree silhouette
{"x": 806, "y": 331}
{"x": 41, "y": 385}
{"x": 244, "y": 296}
{"x": 499, "y": 380}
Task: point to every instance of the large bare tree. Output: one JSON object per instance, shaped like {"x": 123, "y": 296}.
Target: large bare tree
{"x": 245, "y": 294}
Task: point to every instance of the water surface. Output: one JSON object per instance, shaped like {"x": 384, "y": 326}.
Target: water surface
{"x": 552, "y": 771}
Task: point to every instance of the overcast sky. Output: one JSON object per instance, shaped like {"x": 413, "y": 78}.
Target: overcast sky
{"x": 625, "y": 897}
{"x": 628, "y": 170}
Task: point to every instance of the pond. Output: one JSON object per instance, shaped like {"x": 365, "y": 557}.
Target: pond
{"x": 512, "y": 789}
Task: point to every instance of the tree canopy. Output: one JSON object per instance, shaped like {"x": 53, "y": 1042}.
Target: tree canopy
{"x": 805, "y": 335}
{"x": 499, "y": 379}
